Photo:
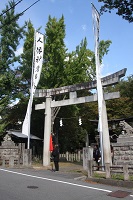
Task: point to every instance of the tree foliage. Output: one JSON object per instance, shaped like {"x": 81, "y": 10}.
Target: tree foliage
{"x": 11, "y": 34}
{"x": 124, "y": 8}
{"x": 104, "y": 48}
{"x": 79, "y": 66}
{"x": 25, "y": 69}
{"x": 54, "y": 53}
{"x": 122, "y": 107}
{"x": 126, "y": 87}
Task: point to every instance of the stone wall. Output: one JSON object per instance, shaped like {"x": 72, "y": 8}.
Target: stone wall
{"x": 12, "y": 154}
{"x": 123, "y": 153}
{"x": 9, "y": 149}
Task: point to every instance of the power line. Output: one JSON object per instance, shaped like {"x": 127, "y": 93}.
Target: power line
{"x": 20, "y": 14}
{"x": 29, "y": 7}
{"x": 11, "y": 8}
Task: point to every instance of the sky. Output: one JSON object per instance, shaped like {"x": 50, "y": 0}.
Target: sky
{"x": 78, "y": 21}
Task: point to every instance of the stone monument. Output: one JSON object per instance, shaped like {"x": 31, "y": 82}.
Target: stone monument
{"x": 12, "y": 154}
{"x": 123, "y": 149}
{"x": 87, "y": 156}
{"x": 9, "y": 152}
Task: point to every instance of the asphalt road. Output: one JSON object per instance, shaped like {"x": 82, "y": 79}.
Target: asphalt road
{"x": 35, "y": 184}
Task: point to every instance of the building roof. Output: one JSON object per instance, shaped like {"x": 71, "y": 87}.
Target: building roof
{"x": 20, "y": 135}
{"x": 130, "y": 119}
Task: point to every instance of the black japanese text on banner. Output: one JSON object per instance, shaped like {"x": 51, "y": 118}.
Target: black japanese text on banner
{"x": 38, "y": 60}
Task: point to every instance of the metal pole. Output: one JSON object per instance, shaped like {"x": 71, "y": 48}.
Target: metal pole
{"x": 31, "y": 93}
{"x": 96, "y": 21}
{"x": 103, "y": 122}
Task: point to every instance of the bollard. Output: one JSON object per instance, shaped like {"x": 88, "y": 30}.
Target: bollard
{"x": 126, "y": 172}
{"x": 18, "y": 162}
{"x": 3, "y": 161}
{"x": 90, "y": 163}
{"x": 79, "y": 155}
{"x": 27, "y": 155}
{"x": 107, "y": 169}
{"x": 11, "y": 161}
{"x": 67, "y": 156}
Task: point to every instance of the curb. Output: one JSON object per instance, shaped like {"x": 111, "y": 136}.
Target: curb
{"x": 119, "y": 183}
{"x": 82, "y": 178}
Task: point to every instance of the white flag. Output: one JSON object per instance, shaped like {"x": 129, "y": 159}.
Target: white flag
{"x": 96, "y": 28}
{"x": 38, "y": 50}
{"x": 38, "y": 60}
{"x": 25, "y": 126}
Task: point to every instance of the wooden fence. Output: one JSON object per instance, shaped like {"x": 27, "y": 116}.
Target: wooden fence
{"x": 72, "y": 157}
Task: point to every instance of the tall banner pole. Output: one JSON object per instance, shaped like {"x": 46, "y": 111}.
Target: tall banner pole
{"x": 38, "y": 49}
{"x": 31, "y": 91}
{"x": 96, "y": 27}
{"x": 103, "y": 122}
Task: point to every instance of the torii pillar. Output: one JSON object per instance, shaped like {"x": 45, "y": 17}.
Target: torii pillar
{"x": 47, "y": 132}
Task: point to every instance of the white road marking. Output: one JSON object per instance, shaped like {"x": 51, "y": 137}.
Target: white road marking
{"x": 54, "y": 180}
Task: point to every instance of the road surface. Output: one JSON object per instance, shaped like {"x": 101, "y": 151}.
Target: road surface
{"x": 35, "y": 184}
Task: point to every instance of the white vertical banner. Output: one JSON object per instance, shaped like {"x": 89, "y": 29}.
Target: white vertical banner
{"x": 25, "y": 122}
{"x": 96, "y": 28}
{"x": 37, "y": 61}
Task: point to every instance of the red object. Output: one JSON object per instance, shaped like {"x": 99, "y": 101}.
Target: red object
{"x": 51, "y": 144}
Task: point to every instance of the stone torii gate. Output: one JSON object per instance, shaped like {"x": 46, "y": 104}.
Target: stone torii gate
{"x": 73, "y": 99}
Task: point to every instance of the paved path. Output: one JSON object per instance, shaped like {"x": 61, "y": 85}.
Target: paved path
{"x": 63, "y": 167}
{"x": 76, "y": 171}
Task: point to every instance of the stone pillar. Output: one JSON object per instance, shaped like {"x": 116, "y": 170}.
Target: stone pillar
{"x": 21, "y": 147}
{"x": 126, "y": 172}
{"x": 47, "y": 132}
{"x": 90, "y": 164}
{"x": 79, "y": 156}
{"x": 107, "y": 169}
{"x": 87, "y": 155}
{"x": 27, "y": 155}
{"x": 3, "y": 161}
{"x": 67, "y": 156}
{"x": 11, "y": 161}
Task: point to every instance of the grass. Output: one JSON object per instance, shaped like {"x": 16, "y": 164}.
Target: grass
{"x": 113, "y": 176}
{"x": 131, "y": 178}
{"x": 117, "y": 176}
{"x": 97, "y": 175}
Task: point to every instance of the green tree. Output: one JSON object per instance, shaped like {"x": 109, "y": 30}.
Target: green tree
{"x": 25, "y": 68}
{"x": 11, "y": 34}
{"x": 124, "y": 8}
{"x": 104, "y": 48}
{"x": 54, "y": 53}
{"x": 121, "y": 108}
{"x": 126, "y": 87}
{"x": 79, "y": 66}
